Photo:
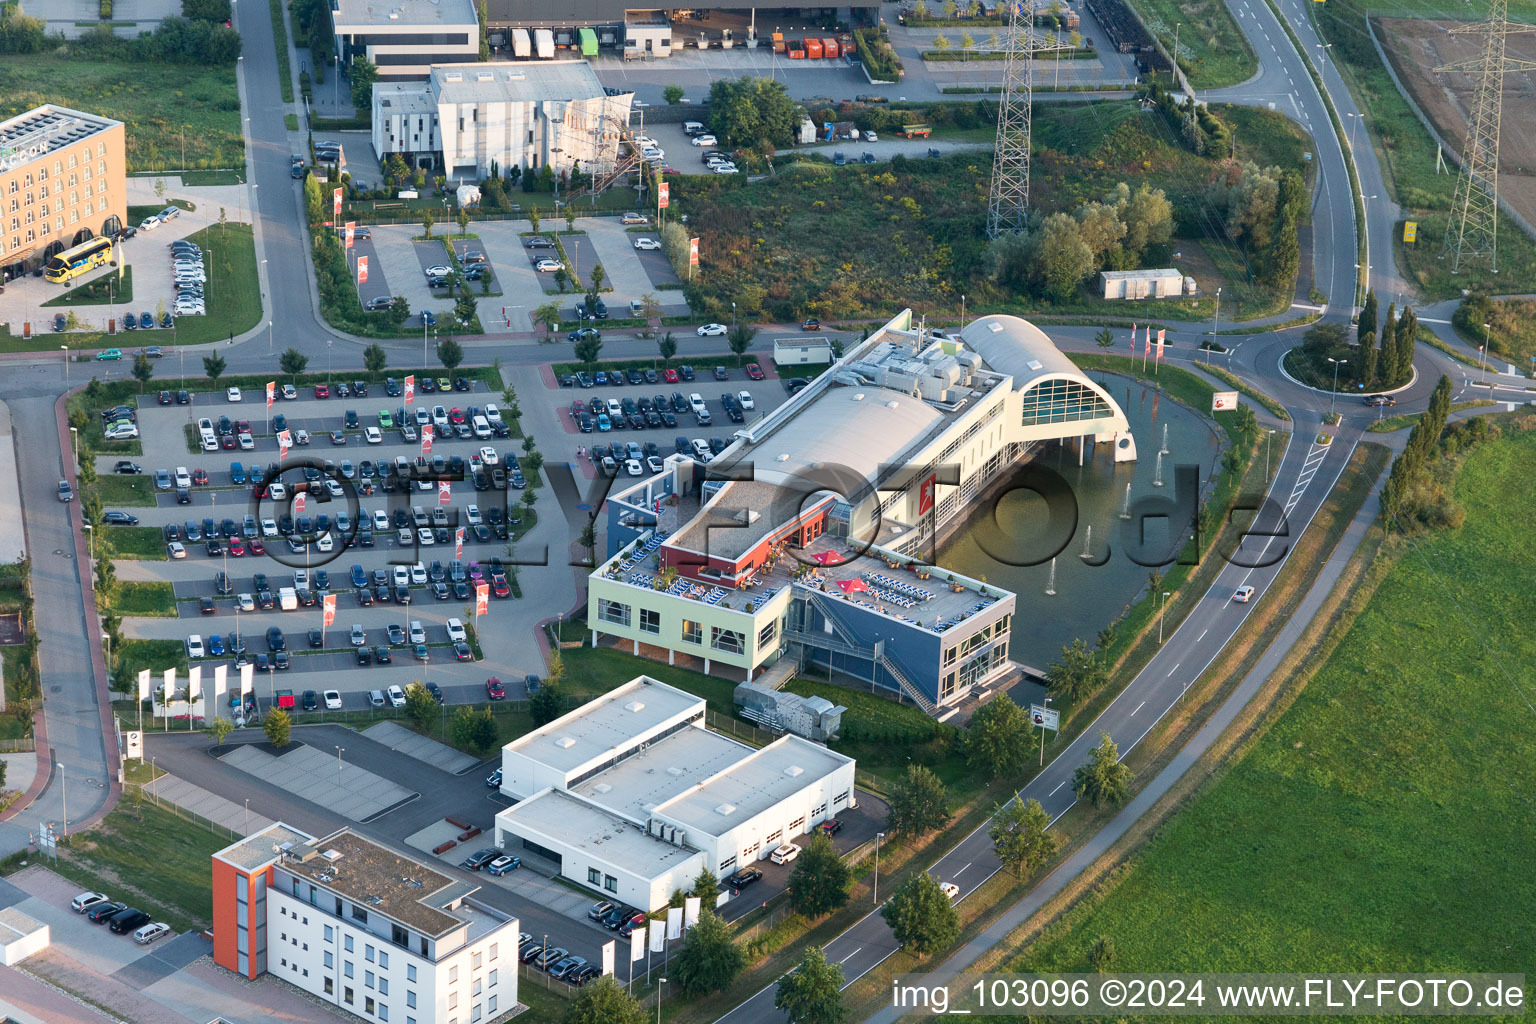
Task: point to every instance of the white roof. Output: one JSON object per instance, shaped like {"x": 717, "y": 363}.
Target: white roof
{"x": 1013, "y": 345}
{"x": 515, "y": 82}
{"x": 639, "y": 783}
{"x": 752, "y": 785}
{"x": 555, "y": 818}
{"x": 1140, "y": 275}
{"x": 405, "y": 13}
{"x": 861, "y": 428}
{"x": 613, "y": 722}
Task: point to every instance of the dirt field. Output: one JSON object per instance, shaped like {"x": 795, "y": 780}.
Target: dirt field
{"x": 1418, "y": 46}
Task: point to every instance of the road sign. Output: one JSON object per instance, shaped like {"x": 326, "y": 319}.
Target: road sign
{"x": 1410, "y": 231}
{"x": 1044, "y": 717}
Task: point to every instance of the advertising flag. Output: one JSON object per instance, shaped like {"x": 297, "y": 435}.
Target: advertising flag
{"x": 637, "y": 944}
{"x": 351, "y": 226}
{"x": 608, "y": 953}
{"x": 444, "y": 493}
{"x": 691, "y": 905}
{"x": 659, "y": 937}
{"x": 362, "y": 269}
{"x": 674, "y": 922}
{"x": 1133, "y": 339}
{"x": 194, "y": 682}
{"x": 426, "y": 439}
{"x": 663, "y": 196}
{"x": 336, "y": 204}
{"x": 170, "y": 684}
{"x": 458, "y": 543}
{"x": 1146, "y": 349}
{"x": 247, "y": 673}
{"x": 482, "y": 598}
{"x": 220, "y": 683}
{"x": 410, "y": 389}
{"x": 144, "y": 685}
{"x": 284, "y": 442}
{"x": 1160, "y": 333}
{"x": 693, "y": 252}
{"x": 271, "y": 394}
{"x": 298, "y": 504}
{"x": 329, "y": 615}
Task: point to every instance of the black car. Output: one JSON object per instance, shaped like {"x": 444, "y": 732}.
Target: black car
{"x": 479, "y": 860}
{"x": 104, "y": 912}
{"x": 281, "y": 662}
{"x": 275, "y": 641}
{"x": 128, "y": 920}
{"x": 538, "y": 242}
{"x": 743, "y": 878}
{"x": 126, "y": 468}
{"x": 183, "y": 398}
{"x": 311, "y": 702}
{"x": 382, "y": 655}
{"x": 364, "y": 656}
{"x": 317, "y": 638}
{"x": 116, "y": 518}
{"x": 435, "y": 690}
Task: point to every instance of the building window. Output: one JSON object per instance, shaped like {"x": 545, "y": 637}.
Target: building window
{"x": 383, "y": 1011}
{"x": 1062, "y": 401}
{"x": 650, "y": 620}
{"x": 330, "y": 934}
{"x": 368, "y": 979}
{"x": 383, "y": 985}
{"x": 367, "y": 1004}
{"x": 383, "y": 960}
{"x": 613, "y": 611}
{"x": 346, "y": 969}
{"x": 731, "y": 641}
{"x": 410, "y": 971}
{"x": 346, "y": 995}
{"x": 610, "y": 883}
{"x": 727, "y": 864}
{"x": 594, "y": 876}
{"x": 495, "y": 947}
{"x": 330, "y": 987}
{"x": 693, "y": 632}
{"x": 329, "y": 959}
{"x": 475, "y": 960}
{"x": 368, "y": 952}
{"x": 359, "y": 914}
{"x": 492, "y": 980}
{"x": 453, "y": 974}
{"x": 74, "y": 179}
{"x": 796, "y": 825}
{"x": 767, "y": 633}
{"x": 410, "y": 998}
{"x": 490, "y": 1005}
{"x": 841, "y": 798}
{"x": 346, "y": 943}
{"x": 453, "y": 1000}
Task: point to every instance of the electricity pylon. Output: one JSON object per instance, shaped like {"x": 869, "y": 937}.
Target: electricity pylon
{"x": 1008, "y": 199}
{"x": 1473, "y": 228}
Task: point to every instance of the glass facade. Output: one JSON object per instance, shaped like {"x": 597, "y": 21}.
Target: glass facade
{"x": 1063, "y": 401}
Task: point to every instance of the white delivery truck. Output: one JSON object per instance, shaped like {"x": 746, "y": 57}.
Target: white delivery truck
{"x": 287, "y": 599}
{"x": 522, "y": 49}
{"x": 544, "y": 40}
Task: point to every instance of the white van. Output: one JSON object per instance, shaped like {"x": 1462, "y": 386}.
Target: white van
{"x": 287, "y": 599}
{"x": 418, "y": 634}
{"x": 693, "y": 128}
{"x": 482, "y": 427}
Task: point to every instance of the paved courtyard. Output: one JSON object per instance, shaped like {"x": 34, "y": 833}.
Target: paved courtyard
{"x": 412, "y": 744}
{"x": 322, "y": 777}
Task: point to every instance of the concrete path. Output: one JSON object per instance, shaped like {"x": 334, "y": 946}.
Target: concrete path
{"x": 13, "y": 538}
{"x": 322, "y": 778}
{"x": 438, "y": 755}
{"x": 616, "y": 251}
{"x": 199, "y": 801}
{"x": 521, "y": 290}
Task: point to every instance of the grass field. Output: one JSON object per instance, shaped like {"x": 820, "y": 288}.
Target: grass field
{"x": 170, "y": 109}
{"x": 1212, "y": 50}
{"x": 104, "y": 291}
{"x": 234, "y": 294}
{"x": 144, "y": 542}
{"x": 117, "y": 490}
{"x": 156, "y": 599}
{"x": 132, "y": 656}
{"x": 1388, "y": 424}
{"x": 1374, "y": 826}
{"x": 1421, "y": 263}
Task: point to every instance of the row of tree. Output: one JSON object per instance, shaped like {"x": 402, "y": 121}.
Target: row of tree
{"x": 1385, "y": 352}
{"x": 174, "y": 41}
{"x": 1201, "y": 132}
{"x": 1409, "y": 493}
{"x": 1262, "y": 207}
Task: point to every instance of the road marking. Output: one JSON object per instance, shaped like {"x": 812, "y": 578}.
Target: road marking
{"x": 850, "y": 956}
{"x": 957, "y": 874}
{"x": 1058, "y": 786}
{"x": 1173, "y": 670}
{"x": 1202, "y": 635}
{"x": 1138, "y": 708}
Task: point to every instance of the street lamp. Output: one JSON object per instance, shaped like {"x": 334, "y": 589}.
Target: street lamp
{"x": 92, "y": 542}
{"x": 64, "y": 782}
{"x": 1161, "y": 606}
{"x": 65, "y": 350}
{"x": 878, "y": 836}
{"x": 659, "y": 982}
{"x": 1215, "y": 326}
{"x": 1482, "y": 376}
{"x": 74, "y": 436}
{"x": 339, "y": 752}
{"x": 1266, "y": 454}
{"x": 1332, "y": 398}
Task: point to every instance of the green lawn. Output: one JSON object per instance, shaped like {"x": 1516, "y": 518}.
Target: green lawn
{"x": 117, "y": 490}
{"x": 145, "y": 542}
{"x": 1212, "y": 50}
{"x": 1421, "y": 262}
{"x": 1380, "y": 824}
{"x": 104, "y": 291}
{"x": 150, "y": 599}
{"x": 133, "y": 656}
{"x": 234, "y": 294}
{"x": 597, "y": 671}
{"x": 163, "y": 858}
{"x": 170, "y": 109}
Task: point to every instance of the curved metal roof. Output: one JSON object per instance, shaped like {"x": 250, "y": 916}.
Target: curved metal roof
{"x": 1013, "y": 345}
{"x": 853, "y": 427}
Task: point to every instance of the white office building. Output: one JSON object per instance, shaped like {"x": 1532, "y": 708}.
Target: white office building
{"x": 465, "y": 120}
{"x": 406, "y": 37}
{"x": 632, "y": 795}
{"x": 362, "y": 928}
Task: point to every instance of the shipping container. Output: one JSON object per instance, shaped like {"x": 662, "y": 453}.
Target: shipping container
{"x": 829, "y": 47}
{"x": 522, "y": 47}
{"x": 813, "y": 49}
{"x": 797, "y": 53}
{"x": 778, "y": 42}
{"x": 544, "y": 39}
{"x": 845, "y": 41}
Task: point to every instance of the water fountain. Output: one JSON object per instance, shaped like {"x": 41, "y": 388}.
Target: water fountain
{"x": 1164, "y": 449}
{"x": 1125, "y": 513}
{"x": 1157, "y": 477}
{"x": 1050, "y": 586}
{"x": 1087, "y": 545}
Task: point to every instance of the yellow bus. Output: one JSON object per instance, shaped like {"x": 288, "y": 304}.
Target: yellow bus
{"x": 83, "y": 257}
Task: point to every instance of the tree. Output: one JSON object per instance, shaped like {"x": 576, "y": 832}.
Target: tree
{"x": 597, "y": 277}
{"x": 143, "y": 369}
{"x": 587, "y": 350}
{"x": 427, "y": 220}
{"x": 314, "y": 202}
{"x": 277, "y": 727}
{"x": 604, "y": 1001}
{"x": 450, "y": 353}
{"x": 812, "y": 993}
{"x": 746, "y": 110}
{"x": 998, "y": 738}
{"x": 375, "y": 359}
{"x": 463, "y": 219}
{"x": 1079, "y": 672}
{"x": 741, "y": 338}
{"x": 588, "y": 539}
{"x": 221, "y": 728}
{"x": 1101, "y": 955}
{"x": 420, "y": 705}
{"x": 399, "y": 310}
{"x": 362, "y": 74}
{"x": 1063, "y": 257}
{"x": 214, "y": 366}
{"x": 1148, "y": 217}
{"x": 464, "y": 311}
{"x": 533, "y": 218}
{"x": 293, "y": 362}
{"x": 706, "y": 887}
{"x": 917, "y": 803}
{"x": 710, "y": 959}
{"x": 1105, "y": 338}
{"x": 941, "y": 41}
{"x": 548, "y": 315}
{"x": 1103, "y": 779}
{"x": 570, "y": 217}
{"x": 673, "y": 94}
{"x": 921, "y": 916}
{"x": 473, "y": 729}
{"x": 819, "y": 882}
{"x": 1020, "y": 838}
{"x": 485, "y": 43}
{"x": 205, "y": 10}
{"x": 667, "y": 346}
{"x": 546, "y": 705}
{"x": 967, "y": 41}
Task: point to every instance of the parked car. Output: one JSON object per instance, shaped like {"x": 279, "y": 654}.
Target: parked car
{"x": 86, "y": 900}
{"x": 150, "y": 932}
{"x": 501, "y": 865}
{"x": 744, "y": 878}
{"x": 476, "y": 861}
{"x": 127, "y": 921}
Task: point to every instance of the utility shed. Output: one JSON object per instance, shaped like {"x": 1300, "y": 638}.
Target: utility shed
{"x": 1141, "y": 284}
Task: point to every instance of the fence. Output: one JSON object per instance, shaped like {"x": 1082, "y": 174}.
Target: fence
{"x": 136, "y": 790}
{"x": 741, "y": 730}
{"x": 25, "y": 745}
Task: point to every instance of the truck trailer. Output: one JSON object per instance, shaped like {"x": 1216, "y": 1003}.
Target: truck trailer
{"x": 522, "y": 47}
{"x": 544, "y": 42}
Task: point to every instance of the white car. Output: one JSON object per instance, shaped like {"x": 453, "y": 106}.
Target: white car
{"x": 949, "y": 889}
{"x": 247, "y": 442}
{"x": 723, "y": 168}
{"x": 746, "y": 400}
{"x": 548, "y": 266}
{"x": 396, "y": 697}
{"x": 269, "y": 527}
{"x": 437, "y": 271}
{"x": 332, "y": 700}
{"x": 701, "y": 450}
{"x": 380, "y": 521}
{"x": 301, "y": 579}
{"x": 372, "y": 435}
{"x": 86, "y": 900}
{"x": 472, "y": 515}
{"x": 359, "y": 637}
{"x": 150, "y": 932}
{"x": 645, "y": 140}
{"x": 653, "y": 153}
{"x": 870, "y": 136}
{"x": 456, "y": 632}
{"x": 712, "y": 330}
{"x": 401, "y": 576}
{"x": 784, "y": 854}
{"x": 418, "y": 575}
{"x": 705, "y": 140}
{"x": 633, "y": 467}
{"x": 277, "y": 491}
{"x": 195, "y": 646}
{"x": 418, "y": 633}
{"x": 183, "y": 476}
{"x": 233, "y": 395}
{"x": 425, "y": 537}
{"x": 488, "y": 456}
{"x": 325, "y": 543}
{"x": 647, "y": 243}
{"x": 175, "y": 550}
{"x": 246, "y": 603}
{"x": 1243, "y": 595}
{"x": 121, "y": 432}
{"x": 492, "y": 413}
{"x": 150, "y": 224}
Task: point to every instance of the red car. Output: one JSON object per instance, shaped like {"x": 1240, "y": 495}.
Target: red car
{"x": 494, "y": 689}
{"x": 228, "y": 442}
{"x": 200, "y": 477}
{"x": 754, "y": 371}
{"x": 257, "y": 548}
{"x": 455, "y": 415}
{"x": 237, "y": 547}
{"x": 322, "y": 391}
{"x": 670, "y": 376}
{"x": 811, "y": 324}
{"x": 244, "y": 428}
{"x": 499, "y": 586}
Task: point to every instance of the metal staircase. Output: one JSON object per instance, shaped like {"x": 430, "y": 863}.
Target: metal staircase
{"x": 846, "y": 644}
